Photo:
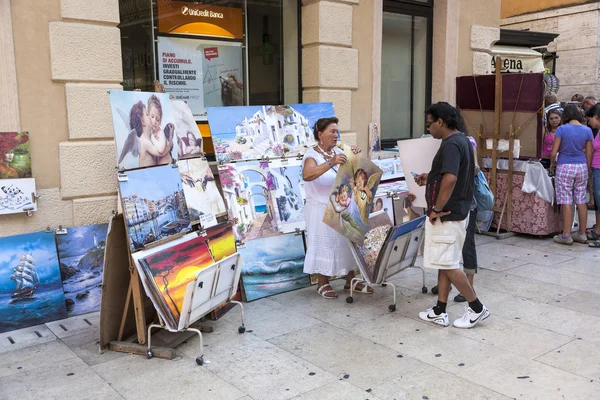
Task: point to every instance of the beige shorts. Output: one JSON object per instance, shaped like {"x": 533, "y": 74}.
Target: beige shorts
{"x": 443, "y": 244}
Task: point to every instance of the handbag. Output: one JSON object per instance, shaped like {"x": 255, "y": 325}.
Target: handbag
{"x": 483, "y": 194}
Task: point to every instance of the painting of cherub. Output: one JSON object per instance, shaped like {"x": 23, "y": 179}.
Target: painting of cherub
{"x": 351, "y": 200}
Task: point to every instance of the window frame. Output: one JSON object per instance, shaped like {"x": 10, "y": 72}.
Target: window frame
{"x": 414, "y": 9}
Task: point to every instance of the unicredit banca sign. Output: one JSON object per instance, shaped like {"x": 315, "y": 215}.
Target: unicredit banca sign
{"x": 177, "y": 17}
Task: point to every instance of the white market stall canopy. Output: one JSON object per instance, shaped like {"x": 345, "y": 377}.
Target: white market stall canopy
{"x": 517, "y": 59}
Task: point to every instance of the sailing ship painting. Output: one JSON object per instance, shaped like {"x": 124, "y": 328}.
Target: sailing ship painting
{"x": 31, "y": 290}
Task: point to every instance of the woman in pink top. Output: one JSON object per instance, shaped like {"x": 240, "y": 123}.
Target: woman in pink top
{"x": 553, "y": 122}
{"x": 593, "y": 117}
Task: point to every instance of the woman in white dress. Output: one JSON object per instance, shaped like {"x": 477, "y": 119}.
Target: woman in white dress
{"x": 328, "y": 253}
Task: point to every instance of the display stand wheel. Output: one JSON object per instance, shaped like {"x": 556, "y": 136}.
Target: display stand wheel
{"x": 200, "y": 360}
{"x": 424, "y": 289}
{"x": 349, "y": 299}
{"x": 392, "y": 307}
{"x": 242, "y": 329}
{"x": 383, "y": 284}
{"x": 149, "y": 354}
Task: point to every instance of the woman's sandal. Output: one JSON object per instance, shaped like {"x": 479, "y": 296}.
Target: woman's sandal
{"x": 325, "y": 293}
{"x": 594, "y": 244}
{"x": 593, "y": 235}
{"x": 366, "y": 289}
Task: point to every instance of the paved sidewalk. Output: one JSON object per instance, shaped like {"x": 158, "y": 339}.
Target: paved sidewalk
{"x": 541, "y": 342}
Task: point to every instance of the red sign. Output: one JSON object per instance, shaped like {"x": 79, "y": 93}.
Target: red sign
{"x": 211, "y": 52}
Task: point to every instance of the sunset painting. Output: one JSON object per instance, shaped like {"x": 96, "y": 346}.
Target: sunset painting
{"x": 175, "y": 267}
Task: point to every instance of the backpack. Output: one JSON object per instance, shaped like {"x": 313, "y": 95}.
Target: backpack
{"x": 483, "y": 195}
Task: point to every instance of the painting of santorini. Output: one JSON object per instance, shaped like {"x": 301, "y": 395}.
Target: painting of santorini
{"x": 249, "y": 200}
{"x": 154, "y": 204}
{"x": 273, "y": 266}
{"x": 31, "y": 290}
{"x": 284, "y": 181}
{"x": 144, "y": 128}
{"x": 81, "y": 258}
{"x": 202, "y": 196}
{"x": 254, "y": 132}
{"x": 17, "y": 195}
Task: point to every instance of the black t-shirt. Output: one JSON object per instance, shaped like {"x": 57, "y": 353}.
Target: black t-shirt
{"x": 455, "y": 157}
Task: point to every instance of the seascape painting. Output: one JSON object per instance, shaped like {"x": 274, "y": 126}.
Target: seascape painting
{"x": 204, "y": 201}
{"x": 173, "y": 268}
{"x": 254, "y": 132}
{"x": 249, "y": 200}
{"x": 272, "y": 266}
{"x": 189, "y": 140}
{"x": 287, "y": 193}
{"x": 17, "y": 195}
{"x": 154, "y": 204}
{"x": 31, "y": 289}
{"x": 144, "y": 128}
{"x": 81, "y": 258}
{"x": 15, "y": 157}
{"x": 353, "y": 196}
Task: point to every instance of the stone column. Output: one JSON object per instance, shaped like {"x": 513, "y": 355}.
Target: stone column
{"x": 9, "y": 97}
{"x": 85, "y": 50}
{"x": 445, "y": 50}
{"x": 329, "y": 63}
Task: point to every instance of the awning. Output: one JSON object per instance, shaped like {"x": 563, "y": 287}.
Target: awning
{"x": 517, "y": 59}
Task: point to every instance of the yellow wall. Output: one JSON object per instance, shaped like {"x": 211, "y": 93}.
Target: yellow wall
{"x": 511, "y": 8}
{"x": 472, "y": 13}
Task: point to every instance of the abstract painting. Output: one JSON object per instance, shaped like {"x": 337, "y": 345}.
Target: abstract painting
{"x": 144, "y": 129}
{"x": 204, "y": 201}
{"x": 253, "y": 132}
{"x": 249, "y": 200}
{"x": 379, "y": 226}
{"x": 15, "y": 158}
{"x": 172, "y": 269}
{"x": 284, "y": 181}
{"x": 17, "y": 195}
{"x": 31, "y": 289}
{"x": 352, "y": 197}
{"x": 189, "y": 139}
{"x": 272, "y": 266}
{"x": 154, "y": 204}
{"x": 81, "y": 258}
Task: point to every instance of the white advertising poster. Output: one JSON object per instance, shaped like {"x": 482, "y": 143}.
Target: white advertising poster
{"x": 416, "y": 156}
{"x": 202, "y": 73}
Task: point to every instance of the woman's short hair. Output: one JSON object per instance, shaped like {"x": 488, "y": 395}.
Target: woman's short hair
{"x": 572, "y": 112}
{"x": 448, "y": 114}
{"x": 322, "y": 124}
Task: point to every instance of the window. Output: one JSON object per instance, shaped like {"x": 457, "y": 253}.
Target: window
{"x": 405, "y": 69}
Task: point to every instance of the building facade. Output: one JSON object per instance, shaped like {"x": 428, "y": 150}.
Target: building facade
{"x": 576, "y": 47}
{"x": 379, "y": 61}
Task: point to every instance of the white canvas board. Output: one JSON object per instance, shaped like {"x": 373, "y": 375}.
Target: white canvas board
{"x": 17, "y": 195}
{"x": 417, "y": 156}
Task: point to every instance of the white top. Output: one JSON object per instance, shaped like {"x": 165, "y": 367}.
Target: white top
{"x": 319, "y": 189}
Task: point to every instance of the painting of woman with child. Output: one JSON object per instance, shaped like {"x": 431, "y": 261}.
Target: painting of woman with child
{"x": 144, "y": 129}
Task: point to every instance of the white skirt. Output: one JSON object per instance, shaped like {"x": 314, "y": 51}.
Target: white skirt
{"x": 327, "y": 252}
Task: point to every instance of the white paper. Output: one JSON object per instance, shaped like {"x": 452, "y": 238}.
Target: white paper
{"x": 416, "y": 156}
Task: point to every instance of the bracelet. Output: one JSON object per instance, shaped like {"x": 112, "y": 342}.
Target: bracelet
{"x": 329, "y": 162}
{"x": 436, "y": 211}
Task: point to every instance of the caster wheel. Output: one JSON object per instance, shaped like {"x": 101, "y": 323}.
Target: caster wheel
{"x": 149, "y": 354}
{"x": 349, "y": 299}
{"x": 200, "y": 360}
{"x": 434, "y": 290}
{"x": 242, "y": 329}
{"x": 383, "y": 284}
{"x": 424, "y": 289}
{"x": 392, "y": 307}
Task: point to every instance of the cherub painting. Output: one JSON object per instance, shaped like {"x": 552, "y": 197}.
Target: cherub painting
{"x": 144, "y": 129}
{"x": 352, "y": 198}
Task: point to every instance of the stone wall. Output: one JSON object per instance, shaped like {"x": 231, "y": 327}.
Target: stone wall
{"x": 67, "y": 54}
{"x": 577, "y": 46}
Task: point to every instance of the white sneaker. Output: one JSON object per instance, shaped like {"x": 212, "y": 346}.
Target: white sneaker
{"x": 470, "y": 318}
{"x": 431, "y": 316}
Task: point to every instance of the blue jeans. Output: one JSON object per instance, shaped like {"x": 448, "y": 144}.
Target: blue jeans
{"x": 596, "y": 177}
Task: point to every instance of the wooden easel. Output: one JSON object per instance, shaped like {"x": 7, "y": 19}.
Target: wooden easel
{"x": 494, "y": 154}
